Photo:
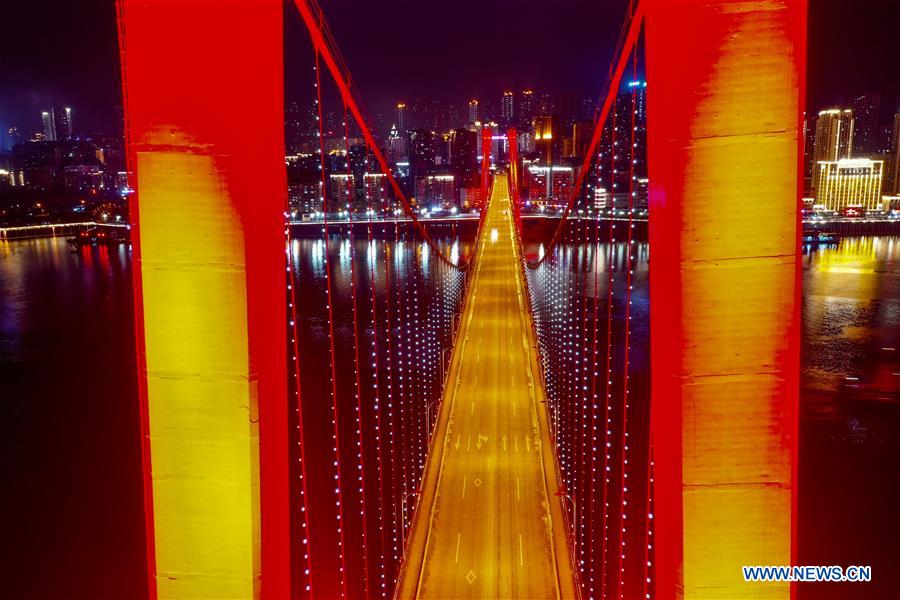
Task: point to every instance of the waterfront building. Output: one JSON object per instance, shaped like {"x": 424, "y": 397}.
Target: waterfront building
{"x": 849, "y": 183}
{"x": 834, "y": 138}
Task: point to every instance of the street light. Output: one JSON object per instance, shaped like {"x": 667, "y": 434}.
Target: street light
{"x": 403, "y": 519}
{"x": 566, "y": 496}
{"x": 444, "y": 362}
{"x": 428, "y": 417}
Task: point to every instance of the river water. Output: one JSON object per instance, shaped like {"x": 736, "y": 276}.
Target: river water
{"x": 70, "y": 508}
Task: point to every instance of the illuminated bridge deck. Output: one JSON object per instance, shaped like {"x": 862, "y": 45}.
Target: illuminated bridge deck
{"x": 489, "y": 523}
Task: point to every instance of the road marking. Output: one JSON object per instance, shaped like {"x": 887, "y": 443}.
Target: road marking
{"x": 472, "y": 410}
{"x": 458, "y": 537}
{"x": 516, "y": 440}
{"x": 464, "y": 485}
{"x": 504, "y": 442}
{"x": 521, "y": 552}
{"x": 470, "y": 577}
{"x": 457, "y": 444}
{"x": 469, "y": 443}
{"x": 518, "y": 492}
{"x": 482, "y": 439}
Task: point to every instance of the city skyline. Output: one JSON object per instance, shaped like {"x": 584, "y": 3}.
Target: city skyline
{"x": 849, "y": 41}
{"x": 326, "y": 299}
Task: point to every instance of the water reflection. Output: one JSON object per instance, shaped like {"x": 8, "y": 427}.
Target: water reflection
{"x": 67, "y": 398}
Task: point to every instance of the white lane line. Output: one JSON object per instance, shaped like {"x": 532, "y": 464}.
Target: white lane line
{"x": 464, "y": 485}
{"x": 518, "y": 494}
{"x": 521, "y": 551}
{"x": 472, "y": 410}
{"x": 459, "y": 537}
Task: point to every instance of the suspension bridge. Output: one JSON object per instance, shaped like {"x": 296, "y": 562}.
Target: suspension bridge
{"x": 519, "y": 412}
{"x": 488, "y": 524}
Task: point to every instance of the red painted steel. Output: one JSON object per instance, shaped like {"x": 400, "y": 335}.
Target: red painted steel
{"x": 485, "y": 164}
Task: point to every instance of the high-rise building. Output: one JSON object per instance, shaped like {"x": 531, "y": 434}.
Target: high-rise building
{"x": 340, "y": 191}
{"x": 464, "y": 156}
{"x": 544, "y": 128}
{"x": 809, "y": 140}
{"x": 14, "y": 136}
{"x": 396, "y": 146}
{"x": 895, "y": 156}
{"x": 834, "y": 138}
{"x": 526, "y": 108}
{"x": 581, "y": 138}
{"x": 849, "y": 183}
{"x": 473, "y": 111}
{"x": 508, "y": 108}
{"x": 866, "y": 109}
{"x": 421, "y": 152}
{"x": 48, "y": 121}
{"x": 67, "y": 122}
{"x": 436, "y": 191}
{"x": 400, "y": 118}
{"x": 300, "y": 129}
{"x": 375, "y": 190}
{"x": 632, "y": 106}
{"x": 550, "y": 186}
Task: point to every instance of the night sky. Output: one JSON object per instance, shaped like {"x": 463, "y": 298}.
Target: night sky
{"x": 64, "y": 52}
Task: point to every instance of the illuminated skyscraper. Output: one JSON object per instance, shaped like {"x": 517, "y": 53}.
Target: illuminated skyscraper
{"x": 48, "y": 120}
{"x": 508, "y": 108}
{"x": 544, "y": 137}
{"x": 526, "y": 108}
{"x": 396, "y": 146}
{"x": 400, "y": 120}
{"x": 849, "y": 182}
{"x": 67, "y": 122}
{"x": 834, "y": 138}
{"x": 473, "y": 111}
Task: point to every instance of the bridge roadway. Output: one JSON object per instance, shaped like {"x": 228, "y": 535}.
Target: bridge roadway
{"x": 489, "y": 524}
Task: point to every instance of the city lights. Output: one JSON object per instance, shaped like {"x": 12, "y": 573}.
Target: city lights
{"x": 285, "y": 320}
